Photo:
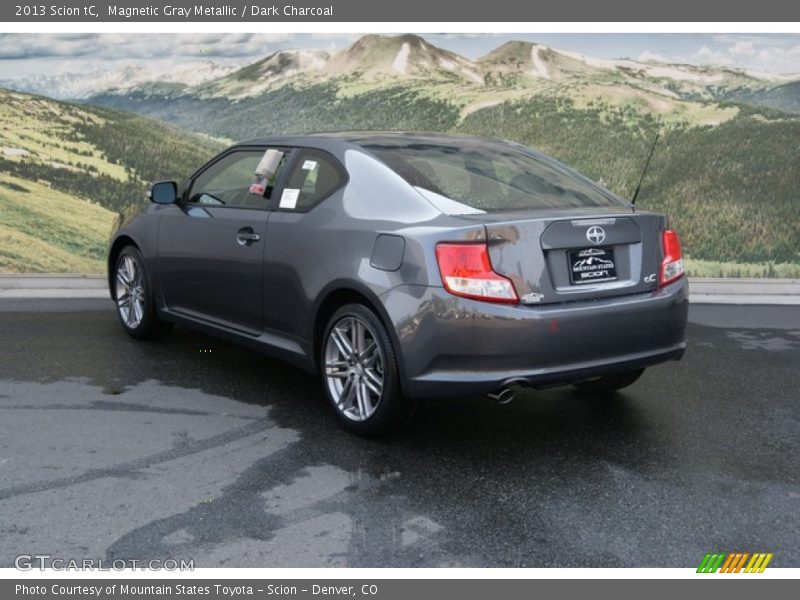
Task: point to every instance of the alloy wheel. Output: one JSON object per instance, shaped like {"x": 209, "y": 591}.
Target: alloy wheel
{"x": 130, "y": 291}
{"x": 354, "y": 365}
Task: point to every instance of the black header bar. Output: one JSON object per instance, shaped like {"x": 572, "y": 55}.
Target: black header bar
{"x": 449, "y": 11}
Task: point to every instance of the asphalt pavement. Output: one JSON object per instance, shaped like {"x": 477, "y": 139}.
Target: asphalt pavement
{"x": 191, "y": 448}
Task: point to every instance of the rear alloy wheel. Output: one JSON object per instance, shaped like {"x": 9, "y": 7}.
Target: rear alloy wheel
{"x": 135, "y": 304}
{"x": 609, "y": 383}
{"x": 360, "y": 373}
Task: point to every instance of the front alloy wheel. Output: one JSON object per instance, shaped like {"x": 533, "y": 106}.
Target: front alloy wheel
{"x": 130, "y": 291}
{"x": 135, "y": 304}
{"x": 360, "y": 374}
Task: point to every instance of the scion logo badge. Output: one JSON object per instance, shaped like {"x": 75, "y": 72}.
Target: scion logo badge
{"x": 734, "y": 562}
{"x": 596, "y": 234}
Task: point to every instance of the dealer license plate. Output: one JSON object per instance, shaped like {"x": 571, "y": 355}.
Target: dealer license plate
{"x": 592, "y": 265}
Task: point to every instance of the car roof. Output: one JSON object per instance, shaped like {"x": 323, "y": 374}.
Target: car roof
{"x": 344, "y": 139}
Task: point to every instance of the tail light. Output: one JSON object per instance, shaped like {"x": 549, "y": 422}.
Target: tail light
{"x": 672, "y": 264}
{"x": 467, "y": 271}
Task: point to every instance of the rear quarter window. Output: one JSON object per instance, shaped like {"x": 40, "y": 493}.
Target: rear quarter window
{"x": 315, "y": 175}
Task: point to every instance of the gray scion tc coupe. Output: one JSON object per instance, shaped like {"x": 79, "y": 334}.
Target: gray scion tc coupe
{"x": 401, "y": 267}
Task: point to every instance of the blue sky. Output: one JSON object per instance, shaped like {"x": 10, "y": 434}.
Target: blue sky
{"x": 22, "y": 55}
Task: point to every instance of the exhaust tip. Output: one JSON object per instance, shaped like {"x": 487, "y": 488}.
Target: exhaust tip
{"x": 502, "y": 396}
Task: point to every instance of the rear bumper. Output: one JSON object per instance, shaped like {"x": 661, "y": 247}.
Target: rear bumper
{"x": 452, "y": 346}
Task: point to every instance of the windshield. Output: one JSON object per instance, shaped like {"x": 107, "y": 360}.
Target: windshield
{"x": 485, "y": 176}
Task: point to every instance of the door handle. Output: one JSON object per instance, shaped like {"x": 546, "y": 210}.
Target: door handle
{"x": 247, "y": 236}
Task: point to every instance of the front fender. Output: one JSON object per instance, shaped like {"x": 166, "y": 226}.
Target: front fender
{"x": 138, "y": 228}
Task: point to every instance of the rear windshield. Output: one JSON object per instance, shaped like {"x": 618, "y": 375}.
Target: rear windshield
{"x": 471, "y": 176}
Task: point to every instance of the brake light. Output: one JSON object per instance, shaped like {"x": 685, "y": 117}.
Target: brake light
{"x": 672, "y": 264}
{"x": 467, "y": 271}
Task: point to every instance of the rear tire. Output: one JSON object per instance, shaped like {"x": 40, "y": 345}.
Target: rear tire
{"x": 608, "y": 384}
{"x": 133, "y": 295}
{"x": 359, "y": 373}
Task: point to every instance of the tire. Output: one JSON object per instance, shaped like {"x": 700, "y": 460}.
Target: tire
{"x": 362, "y": 387}
{"x": 609, "y": 383}
{"x": 133, "y": 296}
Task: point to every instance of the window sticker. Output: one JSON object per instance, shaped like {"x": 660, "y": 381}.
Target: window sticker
{"x": 289, "y": 198}
{"x": 309, "y": 165}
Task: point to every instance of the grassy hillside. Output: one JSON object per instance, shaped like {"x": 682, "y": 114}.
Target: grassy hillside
{"x": 45, "y": 230}
{"x": 65, "y": 171}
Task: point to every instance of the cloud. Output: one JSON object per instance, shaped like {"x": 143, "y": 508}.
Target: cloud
{"x": 772, "y": 39}
{"x": 654, "y": 56}
{"x": 752, "y": 52}
{"x": 771, "y": 53}
{"x": 743, "y": 48}
{"x": 469, "y": 36}
{"x": 708, "y": 56}
{"x": 330, "y": 35}
{"x": 112, "y": 46}
{"x": 14, "y": 47}
{"x": 780, "y": 60}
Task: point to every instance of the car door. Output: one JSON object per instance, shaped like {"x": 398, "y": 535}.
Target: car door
{"x": 211, "y": 244}
{"x": 293, "y": 264}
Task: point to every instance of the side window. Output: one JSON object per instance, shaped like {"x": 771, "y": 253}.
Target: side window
{"x": 227, "y": 182}
{"x": 315, "y": 175}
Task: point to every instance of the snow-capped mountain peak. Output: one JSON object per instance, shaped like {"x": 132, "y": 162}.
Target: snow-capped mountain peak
{"x": 125, "y": 77}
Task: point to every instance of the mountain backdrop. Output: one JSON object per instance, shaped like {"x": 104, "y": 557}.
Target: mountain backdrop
{"x": 725, "y": 167}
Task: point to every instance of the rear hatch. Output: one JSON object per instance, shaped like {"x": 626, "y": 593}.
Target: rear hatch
{"x": 575, "y": 255}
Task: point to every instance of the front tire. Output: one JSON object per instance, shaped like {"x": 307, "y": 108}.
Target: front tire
{"x": 609, "y": 383}
{"x": 360, "y": 375}
{"x": 133, "y": 296}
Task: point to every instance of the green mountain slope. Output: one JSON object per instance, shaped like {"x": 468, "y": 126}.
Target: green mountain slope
{"x": 784, "y": 97}
{"x": 290, "y": 109}
{"x": 65, "y": 170}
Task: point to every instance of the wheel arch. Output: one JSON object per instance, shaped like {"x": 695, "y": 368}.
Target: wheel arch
{"x": 339, "y": 294}
{"x": 113, "y": 253}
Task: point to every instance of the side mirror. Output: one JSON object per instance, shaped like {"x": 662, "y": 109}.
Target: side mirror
{"x": 163, "y": 192}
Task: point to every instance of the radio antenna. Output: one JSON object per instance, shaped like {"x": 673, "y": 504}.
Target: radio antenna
{"x": 644, "y": 171}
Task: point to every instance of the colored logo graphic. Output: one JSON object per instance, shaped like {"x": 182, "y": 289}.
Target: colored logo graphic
{"x": 735, "y": 562}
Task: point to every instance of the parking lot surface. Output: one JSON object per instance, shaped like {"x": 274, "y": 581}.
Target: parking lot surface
{"x": 191, "y": 448}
